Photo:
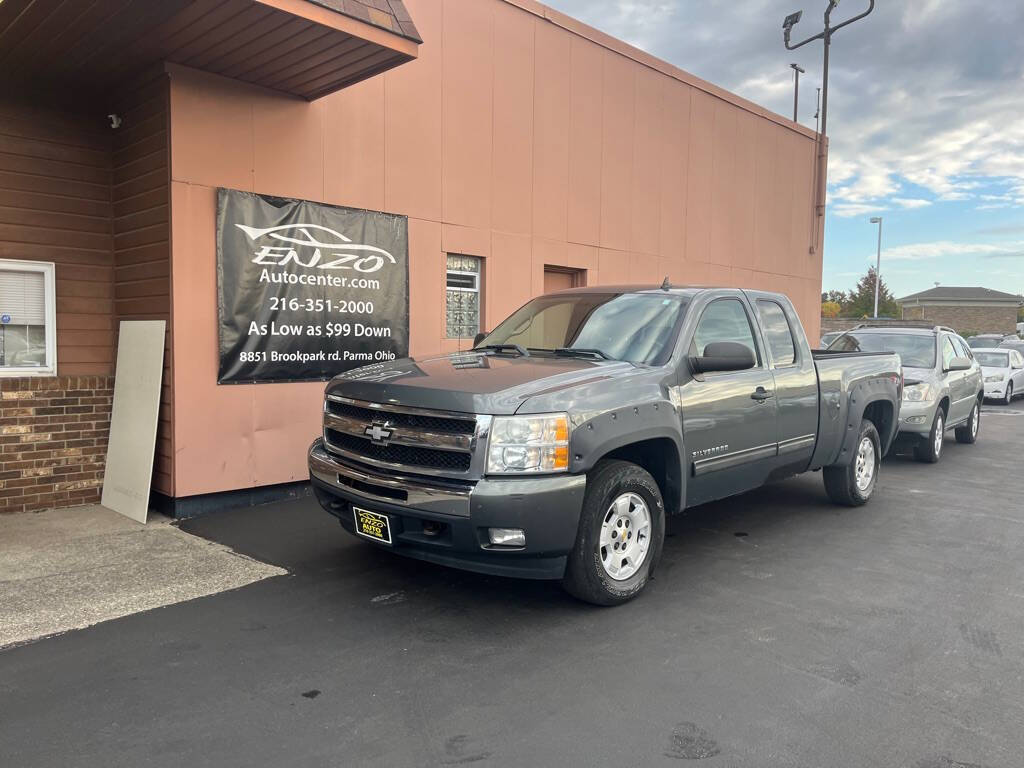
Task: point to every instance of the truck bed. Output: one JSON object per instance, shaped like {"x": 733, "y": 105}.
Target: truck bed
{"x": 843, "y": 376}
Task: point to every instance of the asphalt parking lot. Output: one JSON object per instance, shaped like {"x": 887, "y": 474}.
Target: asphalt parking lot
{"x": 780, "y": 631}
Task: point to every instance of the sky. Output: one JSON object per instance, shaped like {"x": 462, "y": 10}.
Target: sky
{"x": 926, "y": 120}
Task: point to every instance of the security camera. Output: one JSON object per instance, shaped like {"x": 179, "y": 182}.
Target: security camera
{"x": 115, "y": 120}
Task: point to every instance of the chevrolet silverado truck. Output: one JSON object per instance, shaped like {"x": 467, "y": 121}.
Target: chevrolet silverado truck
{"x": 557, "y": 445}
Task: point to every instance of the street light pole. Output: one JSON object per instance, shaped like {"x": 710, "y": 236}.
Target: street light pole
{"x": 797, "y": 71}
{"x": 878, "y": 261}
{"x": 826, "y": 36}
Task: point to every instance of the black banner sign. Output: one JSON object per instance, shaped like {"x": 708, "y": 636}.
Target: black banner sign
{"x": 306, "y": 290}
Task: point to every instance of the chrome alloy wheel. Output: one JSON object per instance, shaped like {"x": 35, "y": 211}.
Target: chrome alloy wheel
{"x": 975, "y": 419}
{"x": 940, "y": 432}
{"x": 865, "y": 467}
{"x": 625, "y": 536}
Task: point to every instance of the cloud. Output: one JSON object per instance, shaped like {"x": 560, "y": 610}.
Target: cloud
{"x": 926, "y": 99}
{"x": 911, "y": 202}
{"x": 943, "y": 248}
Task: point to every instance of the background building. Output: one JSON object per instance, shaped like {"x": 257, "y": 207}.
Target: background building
{"x": 967, "y": 310}
{"x": 529, "y": 152}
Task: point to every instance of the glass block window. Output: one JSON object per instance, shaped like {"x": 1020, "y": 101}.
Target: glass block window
{"x": 27, "y": 318}
{"x": 462, "y": 297}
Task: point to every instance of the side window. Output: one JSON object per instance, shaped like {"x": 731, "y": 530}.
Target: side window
{"x": 1017, "y": 358}
{"x": 724, "y": 320}
{"x": 777, "y": 333}
{"x": 948, "y": 353}
{"x": 962, "y": 349}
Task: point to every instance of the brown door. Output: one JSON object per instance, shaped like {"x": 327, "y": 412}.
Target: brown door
{"x": 558, "y": 279}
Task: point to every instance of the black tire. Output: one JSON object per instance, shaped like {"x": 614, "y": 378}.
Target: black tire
{"x": 968, "y": 433}
{"x": 841, "y": 481}
{"x": 585, "y": 575}
{"x": 1009, "y": 393}
{"x": 929, "y": 450}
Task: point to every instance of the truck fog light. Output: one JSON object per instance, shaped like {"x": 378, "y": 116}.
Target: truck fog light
{"x": 916, "y": 419}
{"x": 507, "y": 537}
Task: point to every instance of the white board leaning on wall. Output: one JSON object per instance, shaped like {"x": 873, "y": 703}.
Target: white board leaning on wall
{"x": 133, "y": 420}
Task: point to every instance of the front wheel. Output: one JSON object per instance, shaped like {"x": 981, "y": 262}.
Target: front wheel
{"x": 853, "y": 484}
{"x": 968, "y": 433}
{"x": 1009, "y": 393}
{"x": 929, "y": 451}
{"x": 621, "y": 532}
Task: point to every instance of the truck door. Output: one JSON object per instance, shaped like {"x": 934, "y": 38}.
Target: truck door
{"x": 796, "y": 384}
{"x": 728, "y": 417}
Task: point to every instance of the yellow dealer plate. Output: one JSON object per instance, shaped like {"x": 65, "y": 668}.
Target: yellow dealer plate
{"x": 372, "y": 525}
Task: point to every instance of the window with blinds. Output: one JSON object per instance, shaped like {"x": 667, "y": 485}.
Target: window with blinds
{"x": 26, "y": 311}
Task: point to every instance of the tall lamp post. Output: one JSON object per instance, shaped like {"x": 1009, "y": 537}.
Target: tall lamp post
{"x": 797, "y": 71}
{"x": 826, "y": 35}
{"x": 878, "y": 261}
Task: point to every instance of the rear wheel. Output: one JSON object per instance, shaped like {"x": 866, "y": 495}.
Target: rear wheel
{"x": 930, "y": 449}
{"x": 621, "y": 531}
{"x": 968, "y": 433}
{"x": 853, "y": 484}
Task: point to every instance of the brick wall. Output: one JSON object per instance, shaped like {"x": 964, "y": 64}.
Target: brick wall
{"x": 53, "y": 441}
{"x": 966, "y": 319}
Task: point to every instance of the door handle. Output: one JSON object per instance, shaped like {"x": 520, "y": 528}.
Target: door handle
{"x": 761, "y": 394}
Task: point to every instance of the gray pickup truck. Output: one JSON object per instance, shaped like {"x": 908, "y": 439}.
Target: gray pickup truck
{"x": 555, "y": 448}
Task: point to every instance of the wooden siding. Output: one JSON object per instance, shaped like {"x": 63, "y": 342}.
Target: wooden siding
{"x": 141, "y": 246}
{"x": 55, "y": 174}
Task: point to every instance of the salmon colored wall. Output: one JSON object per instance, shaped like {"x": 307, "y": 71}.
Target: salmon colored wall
{"x": 518, "y": 136}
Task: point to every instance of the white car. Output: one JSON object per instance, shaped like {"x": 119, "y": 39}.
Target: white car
{"x": 1003, "y": 370}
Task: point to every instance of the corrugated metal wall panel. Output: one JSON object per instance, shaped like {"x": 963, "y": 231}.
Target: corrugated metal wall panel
{"x": 141, "y": 245}
{"x": 55, "y": 173}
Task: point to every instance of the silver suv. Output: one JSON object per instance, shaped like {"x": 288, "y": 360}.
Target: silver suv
{"x": 943, "y": 383}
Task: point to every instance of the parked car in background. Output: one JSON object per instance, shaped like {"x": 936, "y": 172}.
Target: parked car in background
{"x": 1003, "y": 370}
{"x": 988, "y": 340}
{"x": 557, "y": 446}
{"x": 1017, "y": 344}
{"x": 829, "y": 337}
{"x": 943, "y": 383}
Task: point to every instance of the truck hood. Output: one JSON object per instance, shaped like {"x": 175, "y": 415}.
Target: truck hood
{"x": 473, "y": 382}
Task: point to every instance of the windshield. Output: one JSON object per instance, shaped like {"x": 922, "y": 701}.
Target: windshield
{"x": 980, "y": 343}
{"x": 915, "y": 350}
{"x": 637, "y": 327}
{"x": 993, "y": 359}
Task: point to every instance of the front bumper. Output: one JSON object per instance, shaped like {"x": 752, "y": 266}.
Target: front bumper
{"x": 916, "y": 417}
{"x": 546, "y": 508}
{"x": 995, "y": 389}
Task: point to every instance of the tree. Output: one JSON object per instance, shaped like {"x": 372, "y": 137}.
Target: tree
{"x": 830, "y": 309}
{"x": 836, "y": 297}
{"x": 861, "y": 300}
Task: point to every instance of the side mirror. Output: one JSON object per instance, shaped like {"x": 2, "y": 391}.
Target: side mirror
{"x": 479, "y": 337}
{"x": 959, "y": 364}
{"x": 724, "y": 356}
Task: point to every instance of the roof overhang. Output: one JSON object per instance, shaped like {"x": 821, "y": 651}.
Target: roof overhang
{"x": 306, "y": 48}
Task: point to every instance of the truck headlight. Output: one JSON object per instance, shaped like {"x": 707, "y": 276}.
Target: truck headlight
{"x": 994, "y": 377}
{"x": 918, "y": 393}
{"x": 522, "y": 444}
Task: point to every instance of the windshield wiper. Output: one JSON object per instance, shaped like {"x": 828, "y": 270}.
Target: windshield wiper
{"x": 503, "y": 348}
{"x": 582, "y": 352}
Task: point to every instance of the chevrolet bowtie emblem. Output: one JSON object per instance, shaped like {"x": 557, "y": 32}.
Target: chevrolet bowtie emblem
{"x": 379, "y": 432}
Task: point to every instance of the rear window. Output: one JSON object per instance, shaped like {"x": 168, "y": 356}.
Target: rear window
{"x": 992, "y": 359}
{"x": 915, "y": 350}
{"x": 777, "y": 333}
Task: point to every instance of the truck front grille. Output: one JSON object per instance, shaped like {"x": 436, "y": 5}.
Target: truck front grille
{"x": 399, "y": 437}
{"x": 405, "y": 455}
